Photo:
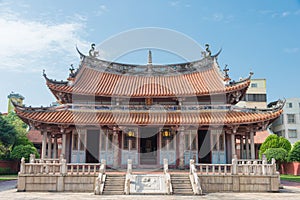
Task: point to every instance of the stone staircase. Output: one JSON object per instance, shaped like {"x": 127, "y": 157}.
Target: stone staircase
{"x": 114, "y": 184}
{"x": 181, "y": 184}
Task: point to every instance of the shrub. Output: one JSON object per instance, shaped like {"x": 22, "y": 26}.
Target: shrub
{"x": 23, "y": 151}
{"x": 294, "y": 154}
{"x": 273, "y": 141}
{"x": 284, "y": 143}
{"x": 279, "y": 154}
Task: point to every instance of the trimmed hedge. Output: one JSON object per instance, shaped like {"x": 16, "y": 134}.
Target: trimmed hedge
{"x": 273, "y": 141}
{"x": 294, "y": 154}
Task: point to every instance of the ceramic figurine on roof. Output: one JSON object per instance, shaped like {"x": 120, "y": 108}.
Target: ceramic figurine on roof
{"x": 169, "y": 110}
{"x": 93, "y": 52}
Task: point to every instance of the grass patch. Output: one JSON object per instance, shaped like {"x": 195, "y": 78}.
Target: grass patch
{"x": 290, "y": 178}
{"x": 8, "y": 177}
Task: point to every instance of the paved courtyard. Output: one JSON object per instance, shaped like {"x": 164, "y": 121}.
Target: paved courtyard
{"x": 288, "y": 193}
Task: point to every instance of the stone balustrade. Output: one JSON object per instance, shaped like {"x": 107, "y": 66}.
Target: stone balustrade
{"x": 238, "y": 167}
{"x": 213, "y": 169}
{"x": 196, "y": 186}
{"x": 59, "y": 167}
{"x": 168, "y": 177}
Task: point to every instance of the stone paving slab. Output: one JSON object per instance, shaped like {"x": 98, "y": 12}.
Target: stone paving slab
{"x": 287, "y": 193}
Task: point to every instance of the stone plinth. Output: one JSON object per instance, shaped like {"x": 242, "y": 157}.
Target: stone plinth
{"x": 148, "y": 184}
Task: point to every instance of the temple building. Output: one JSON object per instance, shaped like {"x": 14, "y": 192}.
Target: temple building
{"x": 146, "y": 113}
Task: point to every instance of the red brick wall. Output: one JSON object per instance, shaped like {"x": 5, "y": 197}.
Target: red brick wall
{"x": 12, "y": 164}
{"x": 292, "y": 168}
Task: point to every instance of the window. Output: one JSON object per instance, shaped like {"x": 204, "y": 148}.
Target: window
{"x": 289, "y": 105}
{"x": 292, "y": 133}
{"x": 75, "y": 141}
{"x": 291, "y": 119}
{"x": 191, "y": 141}
{"x": 127, "y": 140}
{"x": 254, "y": 85}
{"x": 256, "y": 97}
{"x": 81, "y": 141}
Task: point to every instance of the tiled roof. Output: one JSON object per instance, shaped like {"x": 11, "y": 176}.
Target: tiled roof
{"x": 34, "y": 136}
{"x": 205, "y": 80}
{"x": 87, "y": 117}
{"x": 261, "y": 136}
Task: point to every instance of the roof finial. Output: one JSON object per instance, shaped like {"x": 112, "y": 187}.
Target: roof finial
{"x": 93, "y": 52}
{"x": 208, "y": 52}
{"x": 226, "y": 75}
{"x": 149, "y": 58}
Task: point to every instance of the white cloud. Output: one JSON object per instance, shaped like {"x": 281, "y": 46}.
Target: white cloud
{"x": 285, "y": 14}
{"x": 282, "y": 14}
{"x": 291, "y": 50}
{"x": 174, "y": 3}
{"x": 30, "y": 45}
{"x": 102, "y": 9}
{"x": 219, "y": 17}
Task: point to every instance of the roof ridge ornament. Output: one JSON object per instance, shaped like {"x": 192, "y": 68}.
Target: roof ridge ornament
{"x": 92, "y": 51}
{"x": 226, "y": 75}
{"x": 149, "y": 65}
{"x": 149, "y": 57}
{"x": 72, "y": 69}
{"x": 208, "y": 51}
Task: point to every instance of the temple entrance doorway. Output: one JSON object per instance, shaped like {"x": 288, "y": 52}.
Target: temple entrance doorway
{"x": 92, "y": 147}
{"x": 148, "y": 146}
{"x": 204, "y": 146}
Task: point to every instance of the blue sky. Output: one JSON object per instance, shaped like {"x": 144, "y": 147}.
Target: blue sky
{"x": 262, "y": 36}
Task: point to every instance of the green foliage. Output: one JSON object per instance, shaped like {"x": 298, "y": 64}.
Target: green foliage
{"x": 4, "y": 152}
{"x": 294, "y": 154}
{"x": 23, "y": 151}
{"x": 284, "y": 143}
{"x": 273, "y": 141}
{"x": 13, "y": 132}
{"x": 7, "y": 132}
{"x": 279, "y": 154}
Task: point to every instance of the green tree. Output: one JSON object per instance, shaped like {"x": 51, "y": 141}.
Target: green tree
{"x": 294, "y": 154}
{"x": 279, "y": 154}
{"x": 7, "y": 132}
{"x": 23, "y": 151}
{"x": 7, "y": 137}
{"x": 13, "y": 132}
{"x": 273, "y": 141}
{"x": 285, "y": 143}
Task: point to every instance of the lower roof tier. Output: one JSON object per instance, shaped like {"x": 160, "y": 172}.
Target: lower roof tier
{"x": 117, "y": 117}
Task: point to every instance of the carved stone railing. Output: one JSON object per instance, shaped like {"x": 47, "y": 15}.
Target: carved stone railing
{"x": 168, "y": 177}
{"x": 57, "y": 167}
{"x": 239, "y": 167}
{"x": 128, "y": 177}
{"x": 247, "y": 161}
{"x": 195, "y": 181}
{"x": 83, "y": 168}
{"x": 99, "y": 186}
{"x": 257, "y": 167}
{"x": 213, "y": 169}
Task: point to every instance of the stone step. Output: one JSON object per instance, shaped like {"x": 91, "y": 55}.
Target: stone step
{"x": 114, "y": 185}
{"x": 113, "y": 193}
{"x": 183, "y": 191}
{"x": 180, "y": 180}
{"x": 113, "y": 189}
{"x": 182, "y": 186}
